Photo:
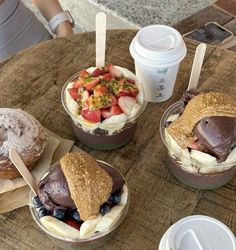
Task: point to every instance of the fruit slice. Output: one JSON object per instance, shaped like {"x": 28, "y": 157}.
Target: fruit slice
{"x": 172, "y": 118}
{"x": 79, "y": 83}
{"x": 89, "y": 226}
{"x": 109, "y": 219}
{"x": 203, "y": 158}
{"x": 73, "y": 93}
{"x": 90, "y": 83}
{"x": 58, "y": 227}
{"x": 99, "y": 71}
{"x": 83, "y": 73}
{"x": 135, "y": 109}
{"x": 114, "y": 110}
{"x": 231, "y": 157}
{"x": 107, "y": 76}
{"x": 92, "y": 116}
{"x": 115, "y": 71}
{"x": 124, "y": 196}
{"x": 114, "y": 123}
{"x": 126, "y": 104}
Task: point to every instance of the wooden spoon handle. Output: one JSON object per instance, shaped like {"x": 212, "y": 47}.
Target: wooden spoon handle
{"x": 17, "y": 161}
{"x": 100, "y": 39}
{"x": 197, "y": 66}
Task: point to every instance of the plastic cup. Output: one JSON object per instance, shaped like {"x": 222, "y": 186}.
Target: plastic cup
{"x": 102, "y": 140}
{"x": 157, "y": 51}
{"x": 98, "y": 239}
{"x": 198, "y": 232}
{"x": 208, "y": 176}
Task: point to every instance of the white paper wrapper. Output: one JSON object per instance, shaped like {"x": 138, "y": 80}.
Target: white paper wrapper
{"x": 15, "y": 193}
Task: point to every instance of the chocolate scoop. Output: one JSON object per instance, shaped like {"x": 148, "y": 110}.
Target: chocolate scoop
{"x": 217, "y": 134}
{"x": 53, "y": 190}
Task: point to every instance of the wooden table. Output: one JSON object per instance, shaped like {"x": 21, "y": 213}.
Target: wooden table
{"x": 32, "y": 80}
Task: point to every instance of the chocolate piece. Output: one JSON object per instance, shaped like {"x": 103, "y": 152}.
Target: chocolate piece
{"x": 53, "y": 190}
{"x": 217, "y": 134}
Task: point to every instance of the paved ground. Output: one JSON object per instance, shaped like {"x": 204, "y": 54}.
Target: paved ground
{"x": 129, "y": 14}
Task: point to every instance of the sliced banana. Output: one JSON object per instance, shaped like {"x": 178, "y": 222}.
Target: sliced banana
{"x": 124, "y": 196}
{"x": 231, "y": 157}
{"x": 58, "y": 227}
{"x": 109, "y": 219}
{"x": 203, "y": 158}
{"x": 175, "y": 149}
{"x": 114, "y": 123}
{"x": 135, "y": 109}
{"x": 88, "y": 228}
{"x": 172, "y": 118}
{"x": 88, "y": 125}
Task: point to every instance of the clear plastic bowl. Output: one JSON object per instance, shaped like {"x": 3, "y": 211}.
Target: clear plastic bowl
{"x": 103, "y": 141}
{"x": 202, "y": 180}
{"x": 93, "y": 242}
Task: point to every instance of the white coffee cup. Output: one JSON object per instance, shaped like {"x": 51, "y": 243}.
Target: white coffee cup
{"x": 198, "y": 232}
{"x": 157, "y": 51}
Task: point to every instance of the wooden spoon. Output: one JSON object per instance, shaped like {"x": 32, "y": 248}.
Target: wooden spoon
{"x": 197, "y": 66}
{"x": 19, "y": 164}
{"x": 100, "y": 39}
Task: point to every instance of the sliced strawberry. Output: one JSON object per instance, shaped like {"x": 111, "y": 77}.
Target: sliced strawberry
{"x": 99, "y": 72}
{"x": 89, "y": 84}
{"x": 83, "y": 73}
{"x": 100, "y": 89}
{"x": 115, "y": 71}
{"x": 106, "y": 113}
{"x": 92, "y": 116}
{"x": 72, "y": 223}
{"x": 123, "y": 93}
{"x": 115, "y": 110}
{"x": 126, "y": 104}
{"x": 113, "y": 100}
{"x": 130, "y": 81}
{"x": 77, "y": 84}
{"x": 133, "y": 92}
{"x": 74, "y": 93}
{"x": 107, "y": 76}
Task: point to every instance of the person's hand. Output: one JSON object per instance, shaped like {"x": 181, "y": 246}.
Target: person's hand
{"x": 64, "y": 29}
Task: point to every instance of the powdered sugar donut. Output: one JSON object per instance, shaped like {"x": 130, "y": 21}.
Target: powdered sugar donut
{"x": 23, "y": 132}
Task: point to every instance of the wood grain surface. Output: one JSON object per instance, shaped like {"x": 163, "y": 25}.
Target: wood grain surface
{"x": 33, "y": 79}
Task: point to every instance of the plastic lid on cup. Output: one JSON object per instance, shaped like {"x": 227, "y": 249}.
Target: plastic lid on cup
{"x": 200, "y": 232}
{"x": 158, "y": 45}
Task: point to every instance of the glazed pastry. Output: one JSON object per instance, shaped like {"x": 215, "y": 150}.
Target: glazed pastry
{"x": 23, "y": 132}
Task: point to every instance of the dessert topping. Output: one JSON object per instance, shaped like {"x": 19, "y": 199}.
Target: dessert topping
{"x": 200, "y": 106}
{"x": 90, "y": 186}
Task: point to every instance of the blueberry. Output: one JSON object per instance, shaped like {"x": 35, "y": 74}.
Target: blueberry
{"x": 75, "y": 215}
{"x": 105, "y": 208}
{"x": 36, "y": 202}
{"x": 43, "y": 212}
{"x": 115, "y": 197}
{"x": 59, "y": 213}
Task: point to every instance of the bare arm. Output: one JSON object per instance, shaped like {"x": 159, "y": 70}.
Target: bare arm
{"x": 50, "y": 8}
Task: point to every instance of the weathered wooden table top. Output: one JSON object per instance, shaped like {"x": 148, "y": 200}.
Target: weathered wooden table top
{"x": 32, "y": 80}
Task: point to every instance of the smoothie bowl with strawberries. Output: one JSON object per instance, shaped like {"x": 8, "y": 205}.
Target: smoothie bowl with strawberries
{"x": 80, "y": 202}
{"x": 199, "y": 133}
{"x": 104, "y": 104}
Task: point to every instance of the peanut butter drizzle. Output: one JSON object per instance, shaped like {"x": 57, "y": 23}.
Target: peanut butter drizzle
{"x": 199, "y": 107}
{"x": 90, "y": 186}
